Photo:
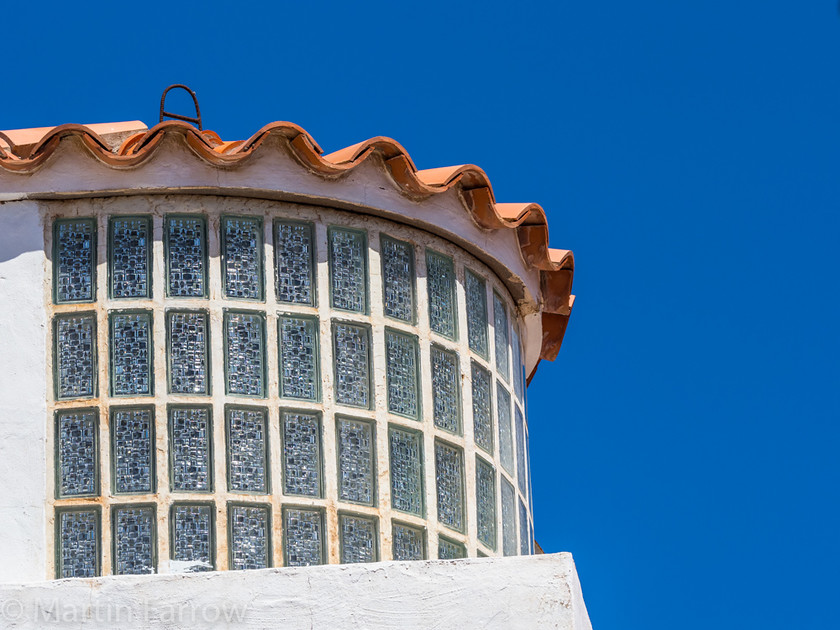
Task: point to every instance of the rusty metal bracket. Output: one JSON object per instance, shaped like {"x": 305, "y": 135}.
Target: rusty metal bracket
{"x": 196, "y": 119}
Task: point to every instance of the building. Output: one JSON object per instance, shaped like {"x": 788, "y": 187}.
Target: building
{"x": 244, "y": 355}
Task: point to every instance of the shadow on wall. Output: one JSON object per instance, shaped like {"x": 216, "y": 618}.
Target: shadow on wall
{"x": 20, "y": 230}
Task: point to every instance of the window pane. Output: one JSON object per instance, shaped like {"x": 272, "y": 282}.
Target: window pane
{"x": 449, "y": 474}
{"x": 524, "y": 544}
{"x": 500, "y": 325}
{"x": 242, "y": 252}
{"x": 187, "y": 339}
{"x": 406, "y": 451}
{"x": 397, "y": 279}
{"x": 303, "y": 535}
{"x": 355, "y": 461}
{"x": 299, "y": 374}
{"x": 75, "y": 261}
{"x": 505, "y": 430}
{"x": 245, "y": 353}
{"x": 294, "y": 253}
{"x": 351, "y": 350}
{"x": 78, "y": 455}
{"x": 508, "y": 518}
{"x": 186, "y": 249}
{"x": 130, "y": 259}
{"x": 348, "y": 270}
{"x": 446, "y": 390}
{"x": 518, "y": 376}
{"x": 485, "y": 491}
{"x": 192, "y": 537}
{"x": 134, "y": 540}
{"x": 409, "y": 543}
{"x": 521, "y": 464}
{"x": 75, "y": 340}
{"x": 247, "y": 450}
{"x": 249, "y": 537}
{"x": 302, "y": 454}
{"x": 358, "y": 539}
{"x": 78, "y": 543}
{"x": 476, "y": 291}
{"x": 482, "y": 404}
{"x": 190, "y": 444}
{"x": 132, "y": 433}
{"x": 402, "y": 359}
{"x": 131, "y": 354}
{"x": 441, "y": 284}
{"x": 450, "y": 550}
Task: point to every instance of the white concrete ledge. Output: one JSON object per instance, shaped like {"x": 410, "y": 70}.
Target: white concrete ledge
{"x": 506, "y": 593}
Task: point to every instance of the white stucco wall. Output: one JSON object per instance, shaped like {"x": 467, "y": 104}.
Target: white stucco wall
{"x": 23, "y": 406}
{"x": 530, "y": 593}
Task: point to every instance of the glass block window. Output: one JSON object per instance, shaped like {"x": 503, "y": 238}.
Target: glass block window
{"x": 302, "y": 463}
{"x": 185, "y": 239}
{"x": 524, "y": 544}
{"x": 193, "y": 534}
{"x": 130, "y": 260}
{"x": 482, "y": 404}
{"x": 406, "y": 453}
{"x": 300, "y": 376}
{"x": 245, "y": 353}
{"x": 133, "y": 447}
{"x": 303, "y": 535}
{"x": 191, "y": 448}
{"x": 351, "y": 358}
{"x": 402, "y": 356}
{"x": 443, "y": 307}
{"x": 74, "y": 261}
{"x": 78, "y": 542}
{"x": 75, "y": 356}
{"x": 521, "y": 463}
{"x": 348, "y": 269}
{"x": 247, "y": 442}
{"x": 505, "y": 429}
{"x": 294, "y": 256}
{"x": 450, "y": 550}
{"x": 249, "y": 533}
{"x": 409, "y": 543}
{"x": 446, "y": 390}
{"x": 358, "y": 539}
{"x": 77, "y": 450}
{"x": 476, "y": 291}
{"x": 449, "y": 475}
{"x": 518, "y": 375}
{"x": 397, "y": 279}
{"x": 134, "y": 540}
{"x": 242, "y": 257}
{"x": 500, "y": 331}
{"x": 131, "y": 354}
{"x": 187, "y": 338}
{"x": 356, "y": 453}
{"x": 509, "y": 542}
{"x": 485, "y": 496}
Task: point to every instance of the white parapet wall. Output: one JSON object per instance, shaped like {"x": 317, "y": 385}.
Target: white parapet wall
{"x": 528, "y": 592}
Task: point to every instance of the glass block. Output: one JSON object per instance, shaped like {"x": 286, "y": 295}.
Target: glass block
{"x": 518, "y": 376}
{"x": 249, "y": 531}
{"x": 187, "y": 334}
{"x": 133, "y": 437}
{"x": 190, "y": 443}
{"x": 476, "y": 290}
{"x": 482, "y": 405}
{"x": 449, "y": 475}
{"x": 406, "y": 452}
{"x": 300, "y": 376}
{"x": 351, "y": 356}
{"x": 348, "y": 270}
{"x": 530, "y": 538}
{"x": 245, "y": 354}
{"x": 131, "y": 354}
{"x": 131, "y": 257}
{"x": 358, "y": 539}
{"x": 508, "y": 518}
{"x": 186, "y": 256}
{"x": 134, "y": 540}
{"x": 485, "y": 495}
{"x": 450, "y": 550}
{"x": 301, "y": 454}
{"x": 75, "y": 343}
{"x": 247, "y": 435}
{"x": 242, "y": 255}
{"x": 397, "y": 279}
{"x": 409, "y": 543}
{"x": 192, "y": 537}
{"x": 500, "y": 330}
{"x": 446, "y": 390}
{"x": 78, "y": 543}
{"x": 78, "y": 455}
{"x": 355, "y": 461}
{"x": 443, "y": 308}
{"x": 303, "y": 535}
{"x": 294, "y": 253}
{"x": 74, "y": 260}
{"x": 403, "y": 374}
{"x": 521, "y": 462}
{"x": 524, "y": 544}
{"x": 505, "y": 429}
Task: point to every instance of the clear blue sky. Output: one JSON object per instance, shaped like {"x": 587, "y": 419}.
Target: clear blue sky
{"x": 685, "y": 443}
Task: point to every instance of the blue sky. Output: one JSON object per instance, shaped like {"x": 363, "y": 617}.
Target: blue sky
{"x": 685, "y": 443}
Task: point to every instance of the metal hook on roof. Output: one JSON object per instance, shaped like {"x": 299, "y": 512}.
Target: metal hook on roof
{"x": 196, "y": 119}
